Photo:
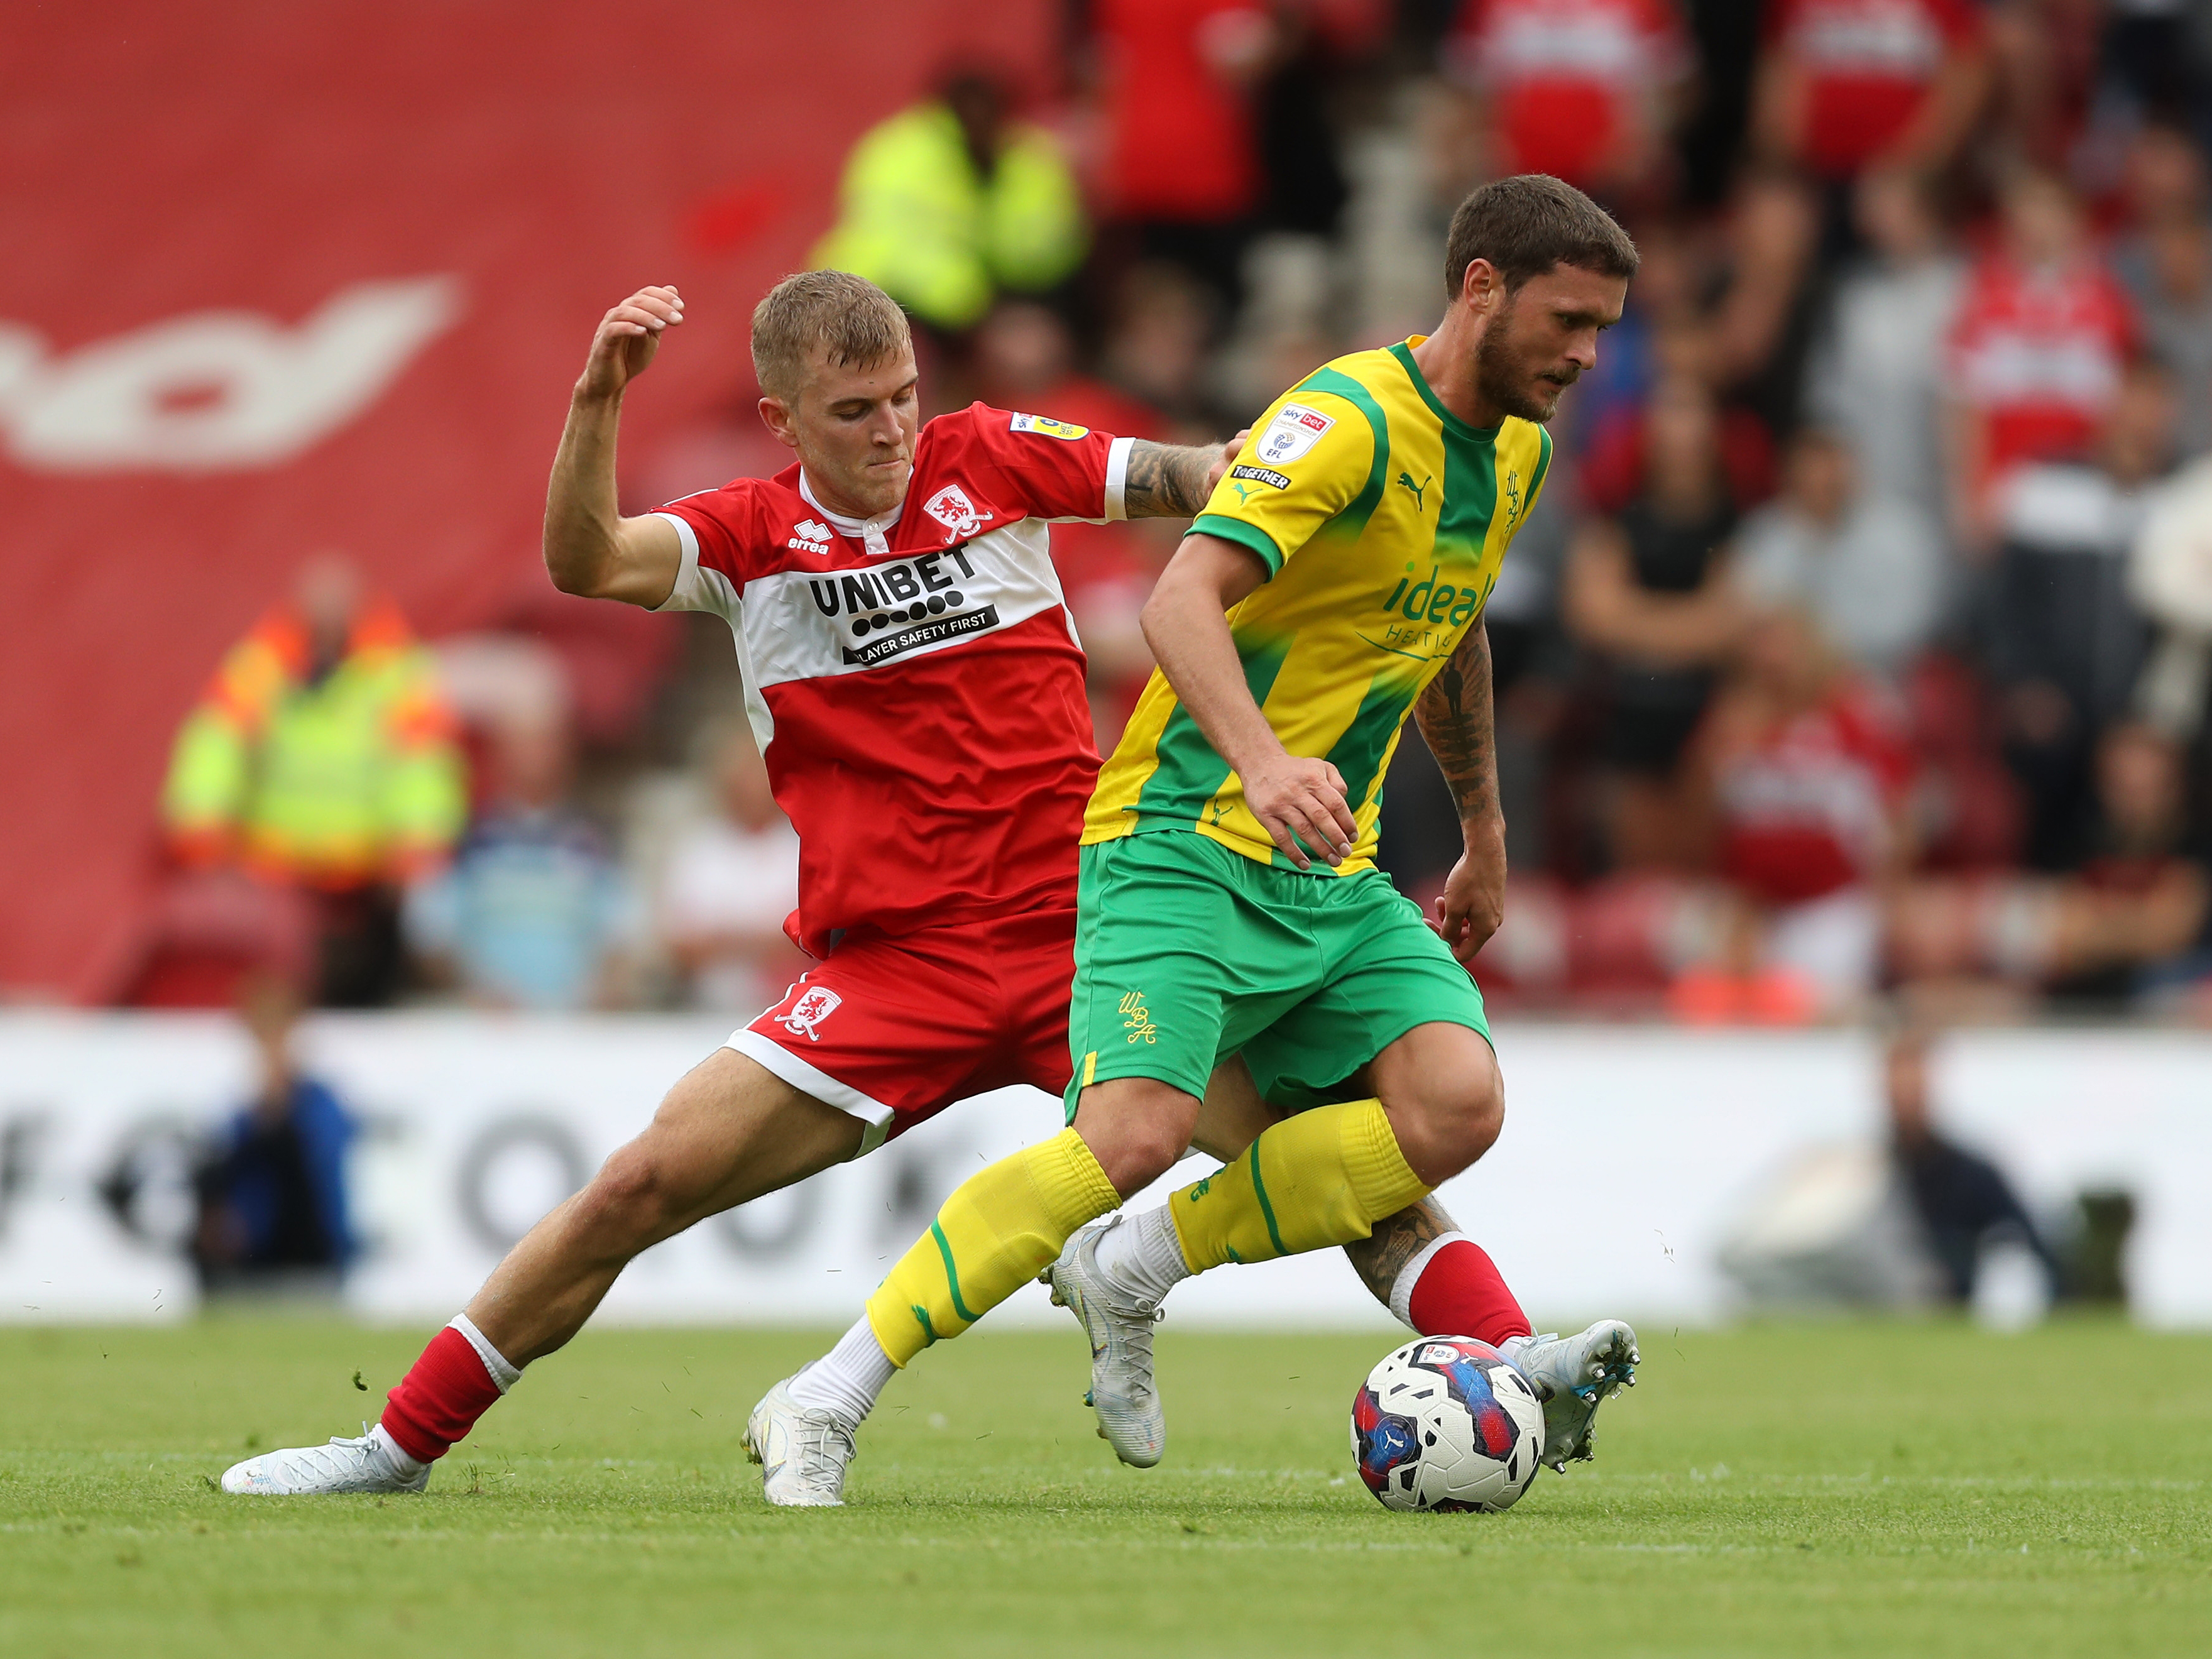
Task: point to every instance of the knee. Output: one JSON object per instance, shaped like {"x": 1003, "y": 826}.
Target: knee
{"x": 1137, "y": 1134}
{"x": 629, "y": 1199}
{"x": 1450, "y": 1122}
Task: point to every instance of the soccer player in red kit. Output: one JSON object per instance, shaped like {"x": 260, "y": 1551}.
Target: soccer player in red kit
{"x": 917, "y": 688}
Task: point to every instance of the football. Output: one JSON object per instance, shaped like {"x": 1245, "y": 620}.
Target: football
{"x": 1444, "y": 1423}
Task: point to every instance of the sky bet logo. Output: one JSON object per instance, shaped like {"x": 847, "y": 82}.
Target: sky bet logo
{"x": 1425, "y": 615}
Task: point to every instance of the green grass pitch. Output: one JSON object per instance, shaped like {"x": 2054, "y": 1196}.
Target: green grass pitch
{"x": 1791, "y": 1490}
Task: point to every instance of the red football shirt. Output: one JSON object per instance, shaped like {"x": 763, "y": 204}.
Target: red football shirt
{"x": 1179, "y": 130}
{"x": 1868, "y": 65}
{"x": 1568, "y": 78}
{"x": 914, "y": 680}
{"x": 2040, "y": 353}
{"x": 1805, "y": 804}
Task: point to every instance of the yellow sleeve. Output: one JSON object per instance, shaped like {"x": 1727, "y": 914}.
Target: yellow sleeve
{"x": 1313, "y": 456}
{"x": 425, "y": 781}
{"x": 1034, "y": 228}
{"x": 211, "y": 766}
{"x": 205, "y": 789}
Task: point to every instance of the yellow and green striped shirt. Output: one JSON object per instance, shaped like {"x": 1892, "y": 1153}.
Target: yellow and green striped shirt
{"x": 1382, "y": 519}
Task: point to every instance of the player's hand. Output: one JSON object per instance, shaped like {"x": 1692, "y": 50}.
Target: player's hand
{"x": 1224, "y": 460}
{"x": 1295, "y": 797}
{"x": 1473, "y": 903}
{"x": 627, "y": 338}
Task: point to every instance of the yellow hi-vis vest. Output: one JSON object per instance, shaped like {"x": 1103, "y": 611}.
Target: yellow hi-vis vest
{"x": 915, "y": 220}
{"x": 354, "y": 779}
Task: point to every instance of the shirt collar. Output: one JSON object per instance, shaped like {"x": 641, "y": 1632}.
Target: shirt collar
{"x": 870, "y": 533}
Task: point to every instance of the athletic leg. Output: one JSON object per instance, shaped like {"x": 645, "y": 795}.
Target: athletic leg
{"x": 1141, "y": 1049}
{"x": 728, "y": 1132}
{"x": 1417, "y": 1263}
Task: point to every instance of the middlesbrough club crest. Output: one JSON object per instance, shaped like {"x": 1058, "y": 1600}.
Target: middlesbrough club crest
{"x": 817, "y": 1004}
{"x": 951, "y": 507}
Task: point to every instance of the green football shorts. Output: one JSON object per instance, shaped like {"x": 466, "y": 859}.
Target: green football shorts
{"x": 1187, "y": 954}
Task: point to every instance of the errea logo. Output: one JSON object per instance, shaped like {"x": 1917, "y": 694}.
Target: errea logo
{"x": 951, "y": 507}
{"x": 812, "y": 537}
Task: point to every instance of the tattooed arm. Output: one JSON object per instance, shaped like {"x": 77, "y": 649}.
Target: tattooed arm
{"x": 1455, "y": 718}
{"x": 1167, "y": 481}
{"x": 1380, "y": 1257}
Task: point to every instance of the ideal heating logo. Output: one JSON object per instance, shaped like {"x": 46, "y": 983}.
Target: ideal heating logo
{"x": 1423, "y": 618}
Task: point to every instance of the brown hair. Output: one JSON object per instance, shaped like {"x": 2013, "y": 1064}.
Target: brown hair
{"x": 852, "y": 319}
{"x": 1525, "y": 225}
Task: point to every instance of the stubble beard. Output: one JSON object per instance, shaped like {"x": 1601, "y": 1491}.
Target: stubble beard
{"x": 1505, "y": 377}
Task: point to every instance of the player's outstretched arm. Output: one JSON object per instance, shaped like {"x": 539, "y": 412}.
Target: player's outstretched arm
{"x": 1170, "y": 481}
{"x": 1298, "y": 799}
{"x": 1457, "y": 718}
{"x": 591, "y": 549}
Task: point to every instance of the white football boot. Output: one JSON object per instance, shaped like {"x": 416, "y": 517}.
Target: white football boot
{"x": 1119, "y": 1326}
{"x": 368, "y": 1464}
{"x": 1573, "y": 1376}
{"x": 802, "y": 1450}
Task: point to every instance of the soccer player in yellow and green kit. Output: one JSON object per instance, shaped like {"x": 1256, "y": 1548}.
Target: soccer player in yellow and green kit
{"x": 1230, "y": 905}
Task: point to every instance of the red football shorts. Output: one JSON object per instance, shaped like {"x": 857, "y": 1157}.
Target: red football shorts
{"x": 895, "y": 1029}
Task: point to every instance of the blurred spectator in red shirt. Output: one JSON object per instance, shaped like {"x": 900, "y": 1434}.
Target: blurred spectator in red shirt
{"x": 1585, "y": 90}
{"x": 1182, "y": 169}
{"x": 1844, "y": 85}
{"x": 2043, "y": 337}
{"x": 1809, "y": 770}
{"x": 1026, "y": 360}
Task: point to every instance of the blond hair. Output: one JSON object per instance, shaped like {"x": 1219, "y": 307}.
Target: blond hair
{"x": 849, "y": 317}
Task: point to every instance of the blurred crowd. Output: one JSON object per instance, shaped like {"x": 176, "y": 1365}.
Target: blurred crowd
{"x": 1860, "y": 645}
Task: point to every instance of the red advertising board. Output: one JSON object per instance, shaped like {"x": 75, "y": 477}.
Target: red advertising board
{"x": 283, "y": 278}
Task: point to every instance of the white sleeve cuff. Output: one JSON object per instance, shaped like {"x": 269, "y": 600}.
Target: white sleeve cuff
{"x": 686, "y": 595}
{"x": 1117, "y": 478}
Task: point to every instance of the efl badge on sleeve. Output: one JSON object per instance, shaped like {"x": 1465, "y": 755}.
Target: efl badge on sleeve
{"x": 1045, "y": 426}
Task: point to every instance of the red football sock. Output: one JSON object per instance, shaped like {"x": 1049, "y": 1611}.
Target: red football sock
{"x": 1458, "y": 1291}
{"x": 439, "y": 1400}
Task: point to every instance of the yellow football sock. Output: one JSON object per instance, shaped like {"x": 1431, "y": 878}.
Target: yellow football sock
{"x": 1323, "y": 1177}
{"x": 999, "y": 1230}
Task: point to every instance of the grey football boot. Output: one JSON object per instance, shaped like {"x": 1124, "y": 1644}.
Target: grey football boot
{"x": 1573, "y": 1376}
{"x": 1119, "y": 1326}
